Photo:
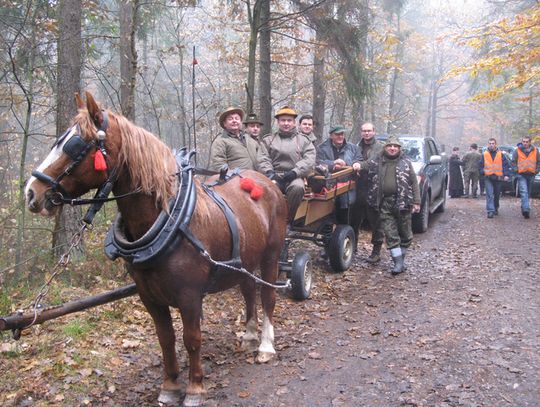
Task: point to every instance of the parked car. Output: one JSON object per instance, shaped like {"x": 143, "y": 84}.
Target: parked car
{"x": 431, "y": 166}
{"x": 535, "y": 187}
{"x": 508, "y": 186}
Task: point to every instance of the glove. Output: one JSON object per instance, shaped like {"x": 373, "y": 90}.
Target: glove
{"x": 289, "y": 176}
{"x": 271, "y": 174}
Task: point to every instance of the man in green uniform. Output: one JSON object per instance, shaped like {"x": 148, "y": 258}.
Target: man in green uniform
{"x": 394, "y": 193}
{"x": 232, "y": 147}
{"x": 471, "y": 171}
{"x": 287, "y": 157}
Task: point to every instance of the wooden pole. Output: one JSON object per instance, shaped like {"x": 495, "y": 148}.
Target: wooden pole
{"x": 22, "y": 321}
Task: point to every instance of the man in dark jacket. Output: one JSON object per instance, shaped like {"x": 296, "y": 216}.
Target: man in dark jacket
{"x": 526, "y": 161}
{"x": 368, "y": 148}
{"x": 393, "y": 191}
{"x": 335, "y": 154}
{"x": 495, "y": 168}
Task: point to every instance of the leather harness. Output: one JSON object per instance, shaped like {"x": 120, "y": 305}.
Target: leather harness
{"x": 169, "y": 228}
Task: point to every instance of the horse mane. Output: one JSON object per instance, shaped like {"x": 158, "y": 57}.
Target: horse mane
{"x": 149, "y": 161}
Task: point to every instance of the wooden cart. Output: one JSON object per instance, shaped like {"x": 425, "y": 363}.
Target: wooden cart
{"x": 315, "y": 221}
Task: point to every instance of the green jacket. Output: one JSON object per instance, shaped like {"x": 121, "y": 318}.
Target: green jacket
{"x": 236, "y": 152}
{"x": 471, "y": 162}
{"x": 282, "y": 152}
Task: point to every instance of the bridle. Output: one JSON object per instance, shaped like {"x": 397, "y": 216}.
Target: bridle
{"x": 76, "y": 148}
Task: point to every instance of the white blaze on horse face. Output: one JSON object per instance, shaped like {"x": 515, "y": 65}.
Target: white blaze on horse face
{"x": 267, "y": 336}
{"x": 54, "y": 154}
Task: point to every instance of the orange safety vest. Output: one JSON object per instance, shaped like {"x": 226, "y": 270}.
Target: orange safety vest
{"x": 526, "y": 163}
{"x": 493, "y": 166}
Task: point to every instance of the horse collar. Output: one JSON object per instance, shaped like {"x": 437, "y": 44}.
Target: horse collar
{"x": 165, "y": 232}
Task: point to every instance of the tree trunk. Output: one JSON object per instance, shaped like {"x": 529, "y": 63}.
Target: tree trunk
{"x": 69, "y": 78}
{"x": 319, "y": 90}
{"x": 265, "y": 87}
{"x": 395, "y": 73}
{"x": 254, "y": 16}
{"x": 28, "y": 93}
{"x": 128, "y": 56}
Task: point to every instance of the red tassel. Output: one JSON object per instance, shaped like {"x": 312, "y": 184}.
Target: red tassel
{"x": 247, "y": 184}
{"x": 256, "y": 192}
{"x": 99, "y": 161}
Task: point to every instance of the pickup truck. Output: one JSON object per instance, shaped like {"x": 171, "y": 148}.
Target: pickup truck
{"x": 431, "y": 166}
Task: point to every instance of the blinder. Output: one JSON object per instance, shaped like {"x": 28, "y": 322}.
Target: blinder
{"x": 76, "y": 148}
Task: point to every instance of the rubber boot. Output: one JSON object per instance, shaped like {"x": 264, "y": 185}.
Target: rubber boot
{"x": 403, "y": 254}
{"x": 397, "y": 257}
{"x": 375, "y": 255}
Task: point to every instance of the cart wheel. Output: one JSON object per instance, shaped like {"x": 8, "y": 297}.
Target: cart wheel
{"x": 301, "y": 276}
{"x": 341, "y": 248}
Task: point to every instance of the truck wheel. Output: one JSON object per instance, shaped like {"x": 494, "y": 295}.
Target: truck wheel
{"x": 420, "y": 220}
{"x": 341, "y": 248}
{"x": 441, "y": 208}
{"x": 301, "y": 278}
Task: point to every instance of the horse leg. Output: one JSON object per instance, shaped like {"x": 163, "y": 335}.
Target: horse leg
{"x": 190, "y": 310}
{"x": 269, "y": 271}
{"x": 170, "y": 389}
{"x": 250, "y": 340}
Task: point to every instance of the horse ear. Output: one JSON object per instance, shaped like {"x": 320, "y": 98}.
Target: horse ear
{"x": 79, "y": 102}
{"x": 94, "y": 110}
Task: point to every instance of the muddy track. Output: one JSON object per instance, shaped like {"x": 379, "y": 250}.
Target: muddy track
{"x": 461, "y": 327}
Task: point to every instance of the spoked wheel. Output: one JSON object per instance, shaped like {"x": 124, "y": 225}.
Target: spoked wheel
{"x": 301, "y": 276}
{"x": 341, "y": 248}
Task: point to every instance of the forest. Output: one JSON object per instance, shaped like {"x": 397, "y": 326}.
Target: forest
{"x": 460, "y": 71}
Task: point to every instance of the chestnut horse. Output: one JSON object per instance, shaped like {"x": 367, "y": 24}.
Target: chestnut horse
{"x": 146, "y": 167}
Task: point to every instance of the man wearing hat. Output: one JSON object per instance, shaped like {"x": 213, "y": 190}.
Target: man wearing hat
{"x": 287, "y": 157}
{"x": 232, "y": 147}
{"x": 335, "y": 154}
{"x": 253, "y": 126}
{"x": 394, "y": 193}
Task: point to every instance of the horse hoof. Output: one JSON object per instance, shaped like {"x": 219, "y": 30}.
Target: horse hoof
{"x": 264, "y": 357}
{"x": 169, "y": 397}
{"x": 193, "y": 400}
{"x": 250, "y": 346}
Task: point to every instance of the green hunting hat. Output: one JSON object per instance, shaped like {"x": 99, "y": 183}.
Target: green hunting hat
{"x": 286, "y": 110}
{"x": 227, "y": 112}
{"x": 392, "y": 140}
{"x": 337, "y": 129}
{"x": 252, "y": 118}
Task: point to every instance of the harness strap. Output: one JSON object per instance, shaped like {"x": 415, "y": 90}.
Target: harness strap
{"x": 231, "y": 220}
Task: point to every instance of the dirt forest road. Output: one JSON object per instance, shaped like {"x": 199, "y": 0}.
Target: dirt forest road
{"x": 461, "y": 327}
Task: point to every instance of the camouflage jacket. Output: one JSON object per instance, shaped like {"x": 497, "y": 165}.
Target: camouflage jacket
{"x": 408, "y": 191}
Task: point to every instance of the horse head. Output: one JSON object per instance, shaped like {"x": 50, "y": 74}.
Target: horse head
{"x": 71, "y": 169}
